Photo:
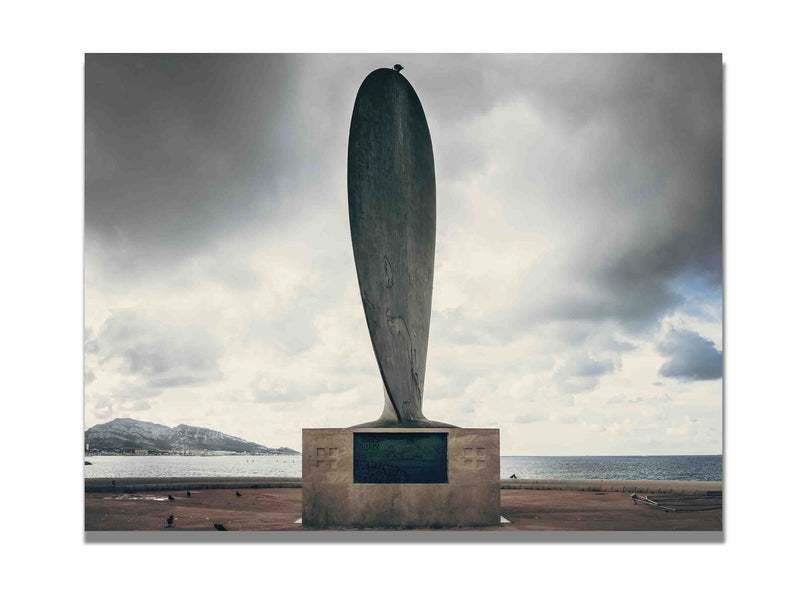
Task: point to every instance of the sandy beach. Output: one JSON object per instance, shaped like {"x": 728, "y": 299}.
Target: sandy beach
{"x": 278, "y": 509}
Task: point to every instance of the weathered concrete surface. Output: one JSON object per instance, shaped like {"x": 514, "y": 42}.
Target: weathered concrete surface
{"x": 277, "y": 509}
{"x": 391, "y": 190}
{"x": 471, "y": 498}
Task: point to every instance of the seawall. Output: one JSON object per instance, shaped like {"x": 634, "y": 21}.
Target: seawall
{"x": 142, "y": 484}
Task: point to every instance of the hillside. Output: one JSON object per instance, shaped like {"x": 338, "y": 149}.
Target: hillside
{"x": 130, "y": 434}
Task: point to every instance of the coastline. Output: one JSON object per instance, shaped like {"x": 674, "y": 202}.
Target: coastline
{"x": 660, "y": 468}
{"x": 141, "y": 484}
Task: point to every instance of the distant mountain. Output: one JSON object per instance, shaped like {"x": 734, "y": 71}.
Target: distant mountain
{"x": 130, "y": 434}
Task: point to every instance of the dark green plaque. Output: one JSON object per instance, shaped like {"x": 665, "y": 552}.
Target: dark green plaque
{"x": 400, "y": 457}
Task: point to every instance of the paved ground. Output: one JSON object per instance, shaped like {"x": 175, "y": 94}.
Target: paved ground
{"x": 276, "y": 509}
{"x": 551, "y": 510}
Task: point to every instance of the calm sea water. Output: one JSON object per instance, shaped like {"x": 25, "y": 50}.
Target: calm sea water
{"x": 704, "y": 468}
{"x": 700, "y": 468}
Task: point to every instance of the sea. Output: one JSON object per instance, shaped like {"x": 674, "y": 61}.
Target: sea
{"x": 684, "y": 467}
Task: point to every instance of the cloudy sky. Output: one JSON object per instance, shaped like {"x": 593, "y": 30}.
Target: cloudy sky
{"x": 577, "y": 299}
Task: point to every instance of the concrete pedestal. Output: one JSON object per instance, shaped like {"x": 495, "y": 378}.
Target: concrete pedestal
{"x": 469, "y": 498}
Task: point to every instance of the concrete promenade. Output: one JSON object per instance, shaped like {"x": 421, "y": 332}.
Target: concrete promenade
{"x": 276, "y": 505}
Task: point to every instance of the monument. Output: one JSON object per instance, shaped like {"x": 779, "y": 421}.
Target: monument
{"x": 401, "y": 470}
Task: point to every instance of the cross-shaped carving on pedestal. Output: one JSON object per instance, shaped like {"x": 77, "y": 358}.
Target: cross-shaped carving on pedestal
{"x": 475, "y": 457}
{"x": 326, "y": 457}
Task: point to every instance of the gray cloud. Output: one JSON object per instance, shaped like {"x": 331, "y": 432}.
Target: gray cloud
{"x": 160, "y": 354}
{"x": 582, "y": 372}
{"x": 530, "y": 418}
{"x": 691, "y": 357}
{"x": 628, "y": 155}
{"x": 292, "y": 332}
{"x": 125, "y": 399}
{"x": 181, "y": 149}
{"x": 586, "y": 366}
{"x": 622, "y": 399}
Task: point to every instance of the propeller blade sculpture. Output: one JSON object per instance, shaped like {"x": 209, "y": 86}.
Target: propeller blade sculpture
{"x": 392, "y": 199}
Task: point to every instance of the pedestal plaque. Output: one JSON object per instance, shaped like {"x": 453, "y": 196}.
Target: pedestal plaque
{"x": 339, "y": 491}
{"x": 399, "y": 457}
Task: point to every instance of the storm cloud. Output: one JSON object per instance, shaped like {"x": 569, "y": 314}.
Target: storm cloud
{"x": 578, "y": 257}
{"x": 691, "y": 357}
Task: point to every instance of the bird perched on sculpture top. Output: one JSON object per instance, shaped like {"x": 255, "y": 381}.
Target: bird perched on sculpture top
{"x": 398, "y": 68}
